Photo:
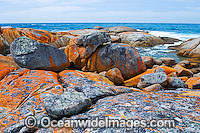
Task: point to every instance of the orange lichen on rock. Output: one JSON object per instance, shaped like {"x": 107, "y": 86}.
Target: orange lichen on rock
{"x": 15, "y": 87}
{"x": 115, "y": 76}
{"x": 8, "y": 61}
{"x": 191, "y": 93}
{"x": 183, "y": 71}
{"x": 135, "y": 80}
{"x": 183, "y": 78}
{"x": 4, "y": 70}
{"x": 153, "y": 88}
{"x": 193, "y": 83}
{"x": 52, "y": 38}
{"x": 89, "y": 75}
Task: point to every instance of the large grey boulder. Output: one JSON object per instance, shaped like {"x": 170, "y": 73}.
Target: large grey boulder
{"x": 122, "y": 56}
{"x": 34, "y": 55}
{"x": 154, "y": 78}
{"x": 174, "y": 82}
{"x": 66, "y": 104}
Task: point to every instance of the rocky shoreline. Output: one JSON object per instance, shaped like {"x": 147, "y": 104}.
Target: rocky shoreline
{"x": 96, "y": 73}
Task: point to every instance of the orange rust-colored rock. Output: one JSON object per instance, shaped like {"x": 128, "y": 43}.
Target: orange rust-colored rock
{"x": 183, "y": 78}
{"x": 135, "y": 80}
{"x": 4, "y": 70}
{"x": 55, "y": 39}
{"x": 81, "y": 47}
{"x": 153, "y": 88}
{"x": 115, "y": 76}
{"x": 148, "y": 61}
{"x": 124, "y": 57}
{"x": 20, "y": 95}
{"x": 183, "y": 71}
{"x": 8, "y": 61}
{"x": 193, "y": 83}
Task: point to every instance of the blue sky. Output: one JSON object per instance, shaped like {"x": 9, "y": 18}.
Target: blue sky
{"x": 136, "y": 11}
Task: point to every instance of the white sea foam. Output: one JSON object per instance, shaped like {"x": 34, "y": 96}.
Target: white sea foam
{"x": 180, "y": 36}
{"x": 6, "y": 27}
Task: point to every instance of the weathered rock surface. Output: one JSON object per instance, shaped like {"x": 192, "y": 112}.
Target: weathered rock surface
{"x": 121, "y": 56}
{"x": 135, "y": 80}
{"x": 55, "y": 39}
{"x": 21, "y": 95}
{"x": 34, "y": 55}
{"x": 168, "y": 61}
{"x": 169, "y": 40}
{"x": 8, "y": 61}
{"x": 148, "y": 61}
{"x": 115, "y": 76}
{"x": 193, "y": 83}
{"x": 66, "y": 104}
{"x": 93, "y": 86}
{"x": 174, "y": 82}
{"x": 197, "y": 75}
{"x": 181, "y": 107}
{"x": 190, "y": 48}
{"x": 153, "y": 88}
{"x": 183, "y": 71}
{"x": 154, "y": 78}
{"x": 140, "y": 39}
{"x": 81, "y": 47}
{"x": 119, "y": 29}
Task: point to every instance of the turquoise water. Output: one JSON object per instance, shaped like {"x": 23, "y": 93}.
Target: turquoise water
{"x": 180, "y": 31}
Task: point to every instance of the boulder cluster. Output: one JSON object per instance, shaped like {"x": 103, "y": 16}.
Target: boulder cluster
{"x": 95, "y": 73}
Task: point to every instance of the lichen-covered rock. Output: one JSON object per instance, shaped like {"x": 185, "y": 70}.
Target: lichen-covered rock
{"x": 66, "y": 104}
{"x": 135, "y": 80}
{"x": 153, "y": 88}
{"x": 154, "y": 78}
{"x": 21, "y": 95}
{"x": 54, "y": 39}
{"x": 168, "y": 61}
{"x": 115, "y": 76}
{"x": 148, "y": 61}
{"x": 34, "y": 55}
{"x": 174, "y": 82}
{"x": 4, "y": 70}
{"x": 93, "y": 86}
{"x": 81, "y": 47}
{"x": 183, "y": 71}
{"x": 184, "y": 79}
{"x": 193, "y": 83}
{"x": 121, "y": 56}
{"x": 119, "y": 29}
{"x": 140, "y": 39}
{"x": 190, "y": 48}
{"x": 169, "y": 105}
{"x": 8, "y": 61}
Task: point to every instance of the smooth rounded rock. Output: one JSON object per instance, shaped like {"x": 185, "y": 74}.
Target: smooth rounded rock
{"x": 34, "y": 55}
{"x": 154, "y": 78}
{"x": 124, "y": 57}
{"x": 115, "y": 76}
